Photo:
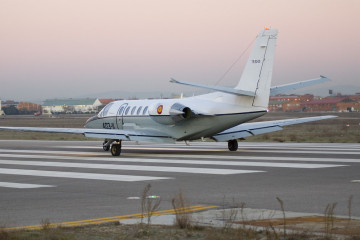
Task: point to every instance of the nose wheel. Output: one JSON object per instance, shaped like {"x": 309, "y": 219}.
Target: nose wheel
{"x": 106, "y": 145}
{"x": 233, "y": 145}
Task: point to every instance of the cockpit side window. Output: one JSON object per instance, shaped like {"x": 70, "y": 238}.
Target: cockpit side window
{"x": 105, "y": 110}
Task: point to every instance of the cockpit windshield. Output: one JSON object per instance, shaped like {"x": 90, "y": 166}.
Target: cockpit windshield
{"x": 105, "y": 110}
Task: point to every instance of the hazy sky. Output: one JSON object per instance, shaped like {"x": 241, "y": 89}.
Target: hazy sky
{"x": 71, "y": 48}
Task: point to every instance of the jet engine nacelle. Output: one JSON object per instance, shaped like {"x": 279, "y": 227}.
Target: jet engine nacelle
{"x": 170, "y": 114}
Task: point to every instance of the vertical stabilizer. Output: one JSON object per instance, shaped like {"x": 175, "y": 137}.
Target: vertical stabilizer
{"x": 257, "y": 74}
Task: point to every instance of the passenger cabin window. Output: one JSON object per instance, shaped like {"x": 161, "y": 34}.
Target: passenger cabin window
{"x": 145, "y": 109}
{"x": 139, "y": 110}
{"x": 127, "y": 111}
{"x": 133, "y": 110}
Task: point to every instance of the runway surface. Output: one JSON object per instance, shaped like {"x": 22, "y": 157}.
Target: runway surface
{"x": 68, "y": 181}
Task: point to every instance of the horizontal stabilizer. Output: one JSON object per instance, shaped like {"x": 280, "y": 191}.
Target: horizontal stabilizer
{"x": 217, "y": 88}
{"x": 256, "y": 128}
{"x": 293, "y": 86}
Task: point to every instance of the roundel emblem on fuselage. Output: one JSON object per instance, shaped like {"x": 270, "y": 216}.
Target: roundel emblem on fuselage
{"x": 160, "y": 109}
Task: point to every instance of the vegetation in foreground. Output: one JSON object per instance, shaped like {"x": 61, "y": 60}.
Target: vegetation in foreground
{"x": 235, "y": 226}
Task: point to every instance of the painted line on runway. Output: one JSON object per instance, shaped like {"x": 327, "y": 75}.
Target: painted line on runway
{"x": 117, "y": 218}
{"x": 192, "y": 161}
{"x": 246, "y": 150}
{"x": 79, "y": 175}
{"x": 307, "y": 151}
{"x": 49, "y": 152}
{"x": 128, "y": 167}
{"x": 22, "y": 185}
{"x": 321, "y": 151}
{"x": 355, "y": 181}
{"x": 238, "y": 157}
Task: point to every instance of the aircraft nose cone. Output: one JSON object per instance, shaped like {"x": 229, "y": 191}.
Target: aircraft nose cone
{"x": 93, "y": 118}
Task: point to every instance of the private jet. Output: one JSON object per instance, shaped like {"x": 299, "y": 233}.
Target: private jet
{"x": 221, "y": 116}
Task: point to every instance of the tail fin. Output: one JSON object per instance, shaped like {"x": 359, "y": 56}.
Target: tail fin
{"x": 257, "y": 74}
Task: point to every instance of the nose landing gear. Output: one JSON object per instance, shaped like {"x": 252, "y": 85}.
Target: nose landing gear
{"x": 106, "y": 145}
{"x": 114, "y": 145}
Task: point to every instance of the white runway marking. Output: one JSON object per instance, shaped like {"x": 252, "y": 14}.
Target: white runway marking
{"x": 128, "y": 167}
{"x": 79, "y": 175}
{"x": 262, "y": 158}
{"x": 320, "y": 151}
{"x": 173, "y": 161}
{"x": 245, "y": 150}
{"x": 22, "y": 185}
{"x": 305, "y": 151}
{"x": 71, "y": 155}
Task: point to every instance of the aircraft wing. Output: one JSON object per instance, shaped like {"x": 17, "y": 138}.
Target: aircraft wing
{"x": 255, "y": 128}
{"x": 126, "y": 135}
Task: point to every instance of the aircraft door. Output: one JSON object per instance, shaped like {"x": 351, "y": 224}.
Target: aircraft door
{"x": 119, "y": 116}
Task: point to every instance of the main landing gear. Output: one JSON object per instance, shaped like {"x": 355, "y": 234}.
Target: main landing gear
{"x": 113, "y": 145}
{"x": 233, "y": 145}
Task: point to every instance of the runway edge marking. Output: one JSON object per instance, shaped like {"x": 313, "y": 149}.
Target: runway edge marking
{"x": 94, "y": 221}
{"x": 23, "y": 185}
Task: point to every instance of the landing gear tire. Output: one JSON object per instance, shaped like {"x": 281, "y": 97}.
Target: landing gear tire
{"x": 116, "y": 149}
{"x": 233, "y": 145}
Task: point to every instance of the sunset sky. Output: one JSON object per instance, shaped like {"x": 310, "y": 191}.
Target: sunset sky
{"x": 71, "y": 48}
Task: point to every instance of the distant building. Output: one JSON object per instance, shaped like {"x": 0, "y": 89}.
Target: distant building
{"x": 293, "y": 106}
{"x": 28, "y": 107}
{"x": 292, "y": 97}
{"x": 276, "y": 105}
{"x": 327, "y": 104}
{"x": 9, "y": 103}
{"x": 105, "y": 101}
{"x": 9, "y": 107}
{"x": 288, "y": 103}
{"x": 308, "y": 103}
{"x": 348, "y": 106}
{"x": 1, "y": 111}
{"x": 55, "y": 106}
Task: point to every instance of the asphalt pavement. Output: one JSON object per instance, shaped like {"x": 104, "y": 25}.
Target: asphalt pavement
{"x": 64, "y": 181}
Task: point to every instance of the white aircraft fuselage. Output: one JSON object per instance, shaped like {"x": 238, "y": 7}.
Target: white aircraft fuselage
{"x": 182, "y": 119}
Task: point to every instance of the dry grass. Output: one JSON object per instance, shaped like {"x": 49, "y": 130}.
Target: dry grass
{"x": 343, "y": 129}
{"x": 149, "y": 204}
{"x": 116, "y": 231}
{"x": 182, "y": 218}
{"x": 61, "y": 121}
